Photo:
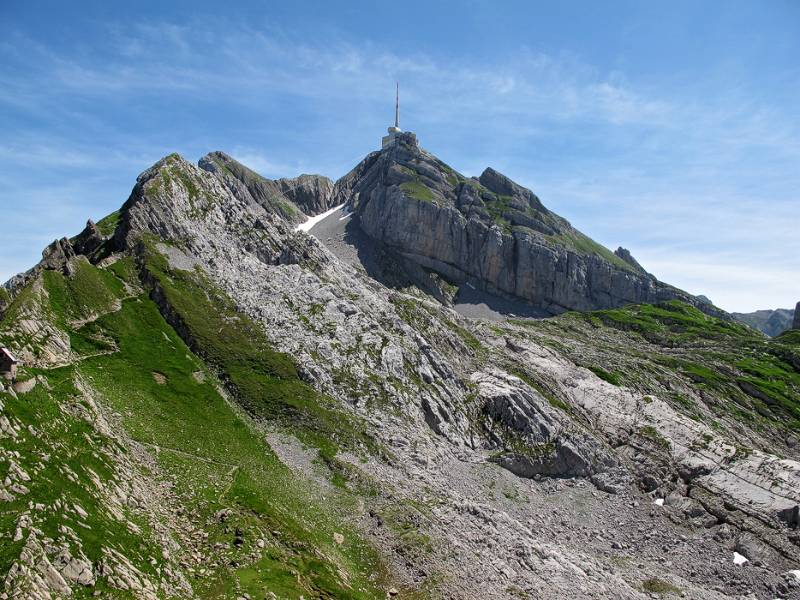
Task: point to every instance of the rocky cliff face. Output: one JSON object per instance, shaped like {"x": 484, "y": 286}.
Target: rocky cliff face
{"x": 490, "y": 232}
{"x": 226, "y": 408}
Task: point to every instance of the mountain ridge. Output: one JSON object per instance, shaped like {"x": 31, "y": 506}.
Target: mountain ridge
{"x": 246, "y": 373}
{"x": 583, "y": 274}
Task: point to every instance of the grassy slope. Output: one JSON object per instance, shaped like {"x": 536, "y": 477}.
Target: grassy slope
{"x": 583, "y": 244}
{"x": 214, "y": 457}
{"x": 73, "y": 448}
{"x": 109, "y": 223}
{"x": 755, "y": 379}
{"x": 265, "y": 382}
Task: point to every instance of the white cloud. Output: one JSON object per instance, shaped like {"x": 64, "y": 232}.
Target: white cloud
{"x": 730, "y": 285}
{"x": 676, "y": 175}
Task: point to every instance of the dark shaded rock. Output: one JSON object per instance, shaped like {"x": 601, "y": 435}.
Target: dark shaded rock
{"x": 796, "y": 320}
{"x": 88, "y": 240}
{"x": 626, "y": 255}
{"x": 791, "y": 516}
{"x": 751, "y": 390}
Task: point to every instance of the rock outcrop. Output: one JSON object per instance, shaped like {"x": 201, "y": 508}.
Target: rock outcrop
{"x": 535, "y": 440}
{"x": 310, "y": 193}
{"x": 57, "y": 255}
{"x": 796, "y": 320}
{"x": 490, "y": 232}
{"x": 89, "y": 240}
{"x": 626, "y": 255}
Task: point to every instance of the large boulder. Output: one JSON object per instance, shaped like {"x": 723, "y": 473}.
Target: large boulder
{"x": 531, "y": 438}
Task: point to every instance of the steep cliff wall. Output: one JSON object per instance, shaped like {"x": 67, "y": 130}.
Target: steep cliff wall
{"x": 491, "y": 232}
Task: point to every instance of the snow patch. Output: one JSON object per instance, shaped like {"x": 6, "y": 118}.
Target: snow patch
{"x": 659, "y": 502}
{"x": 738, "y": 559}
{"x": 314, "y": 220}
{"x": 796, "y": 573}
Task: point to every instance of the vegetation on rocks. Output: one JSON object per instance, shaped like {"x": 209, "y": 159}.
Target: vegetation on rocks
{"x": 87, "y": 292}
{"x": 739, "y": 372}
{"x": 261, "y": 520}
{"x": 264, "y": 381}
{"x": 418, "y": 191}
{"x": 214, "y": 405}
{"x": 108, "y": 224}
{"x": 583, "y": 244}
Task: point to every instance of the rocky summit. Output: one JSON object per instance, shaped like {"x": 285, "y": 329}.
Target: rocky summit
{"x": 202, "y": 400}
{"x": 491, "y": 233}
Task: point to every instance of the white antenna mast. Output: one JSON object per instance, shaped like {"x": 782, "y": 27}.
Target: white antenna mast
{"x": 397, "y": 107}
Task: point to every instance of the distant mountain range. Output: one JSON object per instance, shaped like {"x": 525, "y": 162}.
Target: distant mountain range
{"x": 771, "y": 322}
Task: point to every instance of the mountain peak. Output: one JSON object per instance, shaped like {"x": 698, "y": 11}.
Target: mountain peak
{"x": 491, "y": 233}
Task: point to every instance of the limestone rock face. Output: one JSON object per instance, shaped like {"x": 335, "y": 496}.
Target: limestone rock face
{"x": 491, "y": 233}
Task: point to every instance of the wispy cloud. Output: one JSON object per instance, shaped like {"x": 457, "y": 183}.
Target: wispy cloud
{"x": 674, "y": 172}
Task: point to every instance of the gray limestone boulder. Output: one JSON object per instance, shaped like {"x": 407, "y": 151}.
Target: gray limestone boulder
{"x": 533, "y": 438}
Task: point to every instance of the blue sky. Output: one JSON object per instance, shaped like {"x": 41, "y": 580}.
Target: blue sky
{"x": 671, "y": 128}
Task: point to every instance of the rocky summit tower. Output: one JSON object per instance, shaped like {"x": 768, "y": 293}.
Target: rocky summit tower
{"x": 388, "y": 140}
